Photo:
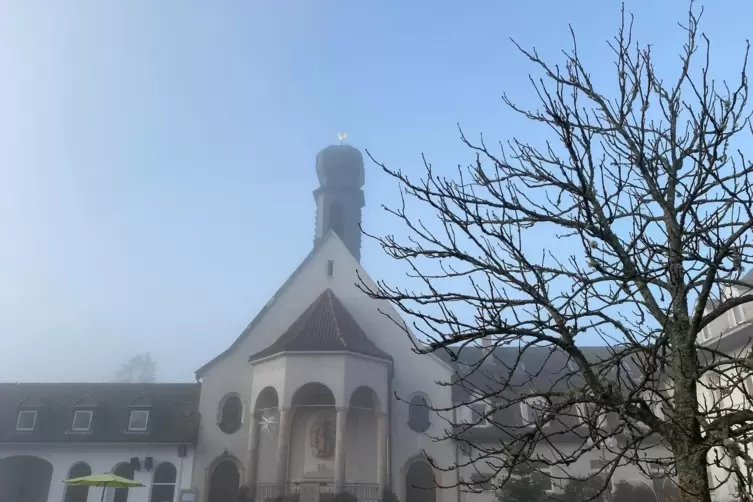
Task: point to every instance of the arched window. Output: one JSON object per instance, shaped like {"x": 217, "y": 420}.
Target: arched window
{"x": 418, "y": 415}
{"x": 231, "y": 412}
{"x": 77, "y": 493}
{"x": 124, "y": 471}
{"x": 163, "y": 484}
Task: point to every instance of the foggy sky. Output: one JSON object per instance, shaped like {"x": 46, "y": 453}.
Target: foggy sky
{"x": 157, "y": 158}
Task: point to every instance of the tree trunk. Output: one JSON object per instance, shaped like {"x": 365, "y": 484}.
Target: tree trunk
{"x": 692, "y": 478}
{"x": 686, "y": 436}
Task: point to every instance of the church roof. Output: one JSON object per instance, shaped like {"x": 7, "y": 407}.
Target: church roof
{"x": 326, "y": 325}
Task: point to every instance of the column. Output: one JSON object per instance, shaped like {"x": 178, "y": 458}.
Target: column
{"x": 252, "y": 456}
{"x": 342, "y": 422}
{"x": 381, "y": 423}
{"x": 283, "y": 443}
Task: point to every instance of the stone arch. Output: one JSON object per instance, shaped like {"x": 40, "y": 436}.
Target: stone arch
{"x": 267, "y": 399}
{"x": 312, "y": 429}
{"x": 313, "y": 394}
{"x": 365, "y": 398}
{"x": 420, "y": 480}
{"x": 223, "y": 478}
{"x": 25, "y": 477}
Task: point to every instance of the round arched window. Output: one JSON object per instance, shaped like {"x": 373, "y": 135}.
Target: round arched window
{"x": 418, "y": 414}
{"x": 231, "y": 411}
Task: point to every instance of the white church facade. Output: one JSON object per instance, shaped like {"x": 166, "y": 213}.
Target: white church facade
{"x": 304, "y": 400}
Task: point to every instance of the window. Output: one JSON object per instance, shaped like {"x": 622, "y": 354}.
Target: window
{"x": 82, "y": 420}
{"x": 163, "y": 484}
{"x": 26, "y": 420}
{"x": 77, "y": 493}
{"x": 138, "y": 420}
{"x": 231, "y": 413}
{"x": 480, "y": 412}
{"x": 418, "y": 414}
{"x": 330, "y": 268}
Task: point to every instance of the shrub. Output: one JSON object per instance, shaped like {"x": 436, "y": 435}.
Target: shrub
{"x": 345, "y": 497}
{"x": 388, "y": 496}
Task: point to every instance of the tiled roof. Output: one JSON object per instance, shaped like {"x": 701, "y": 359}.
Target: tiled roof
{"x": 173, "y": 411}
{"x": 325, "y": 326}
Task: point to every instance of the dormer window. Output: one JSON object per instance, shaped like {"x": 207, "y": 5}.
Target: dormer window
{"x": 82, "y": 420}
{"x": 138, "y": 420}
{"x": 26, "y": 420}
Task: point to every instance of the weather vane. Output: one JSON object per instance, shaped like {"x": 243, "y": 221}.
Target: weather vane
{"x": 341, "y": 136}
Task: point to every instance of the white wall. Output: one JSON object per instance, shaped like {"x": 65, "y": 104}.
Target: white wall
{"x": 233, "y": 373}
{"x": 104, "y": 458}
{"x": 413, "y": 373}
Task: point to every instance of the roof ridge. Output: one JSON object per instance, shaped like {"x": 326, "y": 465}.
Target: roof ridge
{"x": 330, "y": 295}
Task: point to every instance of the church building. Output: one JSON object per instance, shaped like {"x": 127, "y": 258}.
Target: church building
{"x": 302, "y": 404}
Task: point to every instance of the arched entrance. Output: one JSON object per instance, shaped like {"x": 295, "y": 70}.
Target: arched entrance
{"x": 25, "y": 479}
{"x": 224, "y": 482}
{"x": 313, "y": 430}
{"x": 420, "y": 485}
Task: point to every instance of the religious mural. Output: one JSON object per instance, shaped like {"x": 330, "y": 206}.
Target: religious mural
{"x": 323, "y": 435}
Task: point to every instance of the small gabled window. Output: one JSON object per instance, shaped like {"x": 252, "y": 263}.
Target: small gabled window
{"x": 138, "y": 420}
{"x": 26, "y": 420}
{"x": 82, "y": 420}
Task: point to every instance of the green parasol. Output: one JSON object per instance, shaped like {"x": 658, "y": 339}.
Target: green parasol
{"x": 107, "y": 480}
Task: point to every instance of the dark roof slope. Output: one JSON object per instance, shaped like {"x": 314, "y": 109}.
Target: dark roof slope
{"x": 325, "y": 326}
{"x": 173, "y": 411}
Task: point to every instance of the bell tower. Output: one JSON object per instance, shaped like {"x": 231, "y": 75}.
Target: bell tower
{"x": 339, "y": 198}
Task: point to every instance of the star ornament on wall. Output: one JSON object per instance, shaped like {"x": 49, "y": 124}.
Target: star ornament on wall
{"x": 268, "y": 423}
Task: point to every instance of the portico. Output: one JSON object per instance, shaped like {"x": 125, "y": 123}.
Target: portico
{"x": 330, "y": 433}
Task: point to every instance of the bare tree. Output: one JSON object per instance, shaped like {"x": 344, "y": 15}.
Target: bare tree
{"x": 630, "y": 227}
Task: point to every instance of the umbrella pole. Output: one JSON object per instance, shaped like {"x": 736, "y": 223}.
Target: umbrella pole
{"x": 104, "y": 488}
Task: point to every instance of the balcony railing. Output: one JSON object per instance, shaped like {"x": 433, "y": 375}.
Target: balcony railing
{"x": 364, "y": 492}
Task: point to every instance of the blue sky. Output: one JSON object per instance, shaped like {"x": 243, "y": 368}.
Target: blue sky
{"x": 157, "y": 157}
